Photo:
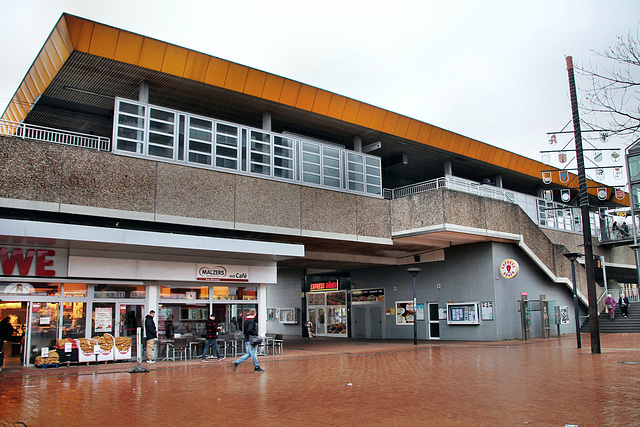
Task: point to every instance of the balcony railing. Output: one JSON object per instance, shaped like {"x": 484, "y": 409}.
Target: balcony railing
{"x": 41, "y": 133}
{"x": 452, "y": 183}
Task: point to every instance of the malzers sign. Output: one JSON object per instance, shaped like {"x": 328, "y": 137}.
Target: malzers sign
{"x": 222, "y": 273}
{"x": 33, "y": 262}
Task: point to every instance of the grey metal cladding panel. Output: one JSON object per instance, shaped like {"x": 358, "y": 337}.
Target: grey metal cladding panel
{"x": 30, "y": 170}
{"x": 267, "y": 202}
{"x": 328, "y": 211}
{"x": 373, "y": 218}
{"x": 100, "y": 179}
{"x": 195, "y": 193}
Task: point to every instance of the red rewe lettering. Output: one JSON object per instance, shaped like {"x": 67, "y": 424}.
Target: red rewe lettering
{"x": 42, "y": 262}
{"x": 9, "y": 262}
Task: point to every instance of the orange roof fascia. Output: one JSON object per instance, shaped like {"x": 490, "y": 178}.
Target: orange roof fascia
{"x": 74, "y": 33}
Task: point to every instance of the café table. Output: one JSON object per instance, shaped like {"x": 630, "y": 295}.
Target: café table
{"x": 167, "y": 343}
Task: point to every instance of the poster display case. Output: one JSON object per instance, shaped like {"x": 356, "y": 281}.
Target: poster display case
{"x": 463, "y": 313}
{"x": 289, "y": 316}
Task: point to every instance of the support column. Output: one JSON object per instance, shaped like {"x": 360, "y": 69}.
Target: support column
{"x": 357, "y": 144}
{"x": 499, "y": 181}
{"x": 143, "y": 92}
{"x": 266, "y": 121}
{"x": 448, "y": 170}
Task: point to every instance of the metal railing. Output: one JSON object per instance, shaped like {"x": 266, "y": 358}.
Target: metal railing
{"x": 452, "y": 183}
{"x": 44, "y": 134}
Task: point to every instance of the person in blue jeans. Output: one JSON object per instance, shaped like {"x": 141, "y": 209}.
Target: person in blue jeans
{"x": 250, "y": 330}
{"x": 211, "y": 336}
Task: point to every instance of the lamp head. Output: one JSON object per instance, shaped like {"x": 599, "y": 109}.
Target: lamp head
{"x": 572, "y": 256}
{"x": 413, "y": 271}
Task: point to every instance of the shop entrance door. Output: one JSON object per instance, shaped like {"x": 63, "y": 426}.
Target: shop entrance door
{"x": 13, "y": 348}
{"x": 359, "y": 320}
{"x": 376, "y": 322}
{"x": 130, "y": 319}
{"x": 367, "y": 322}
{"x": 43, "y": 329}
{"x": 433, "y": 325}
{"x": 317, "y": 317}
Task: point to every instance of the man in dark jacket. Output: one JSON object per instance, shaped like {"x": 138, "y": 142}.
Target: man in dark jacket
{"x": 211, "y": 336}
{"x": 151, "y": 333}
{"x": 252, "y": 349}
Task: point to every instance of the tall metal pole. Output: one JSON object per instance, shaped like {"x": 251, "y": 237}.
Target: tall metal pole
{"x": 634, "y": 247}
{"x": 575, "y": 303}
{"x": 414, "y": 272}
{"x": 586, "y": 220}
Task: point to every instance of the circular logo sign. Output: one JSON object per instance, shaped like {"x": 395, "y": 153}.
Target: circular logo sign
{"x": 509, "y": 268}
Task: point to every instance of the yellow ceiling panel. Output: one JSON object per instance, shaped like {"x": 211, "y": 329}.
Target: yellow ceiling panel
{"x": 62, "y": 29}
{"x": 273, "y": 87}
{"x": 31, "y": 86}
{"x": 37, "y": 81}
{"x": 128, "y": 48}
{"x": 482, "y": 153}
{"x": 236, "y": 77}
{"x": 60, "y": 45}
{"x": 364, "y": 115}
{"x": 152, "y": 54}
{"x": 255, "y": 82}
{"x": 196, "y": 67}
{"x": 290, "y": 92}
{"x": 461, "y": 144}
{"x": 351, "y": 110}
{"x": 390, "y": 121}
{"x": 495, "y": 156}
{"x": 216, "y": 72}
{"x": 336, "y": 106}
{"x": 445, "y": 141}
{"x": 402, "y": 126}
{"x": 26, "y": 95}
{"x": 42, "y": 70}
{"x": 80, "y": 31}
{"x": 425, "y": 133}
{"x": 175, "y": 60}
{"x": 520, "y": 162}
{"x": 306, "y": 97}
{"x": 377, "y": 118}
{"x": 54, "y": 57}
{"x": 321, "y": 102}
{"x": 413, "y": 129}
{"x": 21, "y": 105}
{"x": 104, "y": 41}
{"x": 472, "y": 147}
{"x": 434, "y": 137}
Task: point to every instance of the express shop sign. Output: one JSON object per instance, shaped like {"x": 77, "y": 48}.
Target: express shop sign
{"x": 222, "y": 273}
{"x": 331, "y": 285}
{"x": 33, "y": 262}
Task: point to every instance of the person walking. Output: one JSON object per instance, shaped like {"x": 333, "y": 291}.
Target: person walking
{"x": 252, "y": 349}
{"x": 610, "y": 303}
{"x": 623, "y": 301}
{"x": 151, "y": 333}
{"x": 211, "y": 335}
{"x": 6, "y": 330}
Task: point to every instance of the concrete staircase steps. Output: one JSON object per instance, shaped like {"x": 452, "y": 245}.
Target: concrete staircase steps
{"x": 621, "y": 324}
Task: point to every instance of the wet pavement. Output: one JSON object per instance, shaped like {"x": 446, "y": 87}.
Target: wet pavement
{"x": 348, "y": 382}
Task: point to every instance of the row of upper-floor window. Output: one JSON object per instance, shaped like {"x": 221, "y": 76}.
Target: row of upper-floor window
{"x": 163, "y": 134}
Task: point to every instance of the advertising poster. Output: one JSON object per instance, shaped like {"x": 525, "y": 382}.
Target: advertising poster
{"x": 367, "y": 295}
{"x": 103, "y": 319}
{"x": 487, "y": 310}
{"x": 405, "y": 313}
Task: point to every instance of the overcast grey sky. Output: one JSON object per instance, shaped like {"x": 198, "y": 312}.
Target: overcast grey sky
{"x": 491, "y": 70}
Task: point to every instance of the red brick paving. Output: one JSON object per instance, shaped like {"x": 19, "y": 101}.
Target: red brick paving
{"x": 348, "y": 382}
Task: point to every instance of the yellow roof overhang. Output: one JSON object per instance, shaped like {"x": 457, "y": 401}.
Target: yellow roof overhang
{"x": 79, "y": 34}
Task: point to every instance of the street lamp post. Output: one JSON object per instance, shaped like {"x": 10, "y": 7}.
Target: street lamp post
{"x": 632, "y": 156}
{"x": 573, "y": 256}
{"x": 413, "y": 271}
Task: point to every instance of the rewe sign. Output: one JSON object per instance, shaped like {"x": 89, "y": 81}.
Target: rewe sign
{"x": 33, "y": 262}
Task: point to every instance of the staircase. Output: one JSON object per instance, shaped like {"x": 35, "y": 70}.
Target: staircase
{"x": 621, "y": 324}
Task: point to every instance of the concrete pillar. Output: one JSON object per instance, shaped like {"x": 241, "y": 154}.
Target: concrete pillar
{"x": 448, "y": 170}
{"x": 357, "y": 144}
{"x": 262, "y": 310}
{"x": 266, "y": 121}
{"x": 499, "y": 181}
{"x": 143, "y": 92}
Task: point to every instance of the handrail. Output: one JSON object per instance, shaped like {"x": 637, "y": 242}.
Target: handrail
{"x": 45, "y": 134}
{"x": 452, "y": 183}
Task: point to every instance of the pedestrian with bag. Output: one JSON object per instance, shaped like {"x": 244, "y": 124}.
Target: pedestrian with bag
{"x": 252, "y": 341}
{"x": 610, "y": 304}
{"x": 624, "y": 304}
{"x": 151, "y": 334}
{"x": 211, "y": 336}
